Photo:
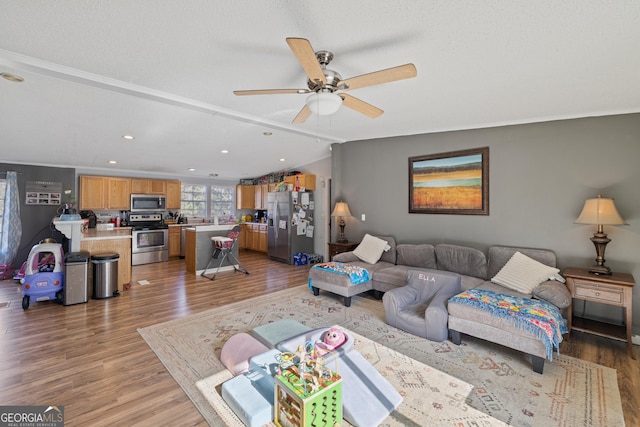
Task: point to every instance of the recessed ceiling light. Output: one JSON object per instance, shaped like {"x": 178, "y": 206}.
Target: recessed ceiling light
{"x": 128, "y": 137}
{"x": 224, "y": 151}
{"x": 113, "y": 162}
{"x": 191, "y": 169}
{"x": 12, "y": 77}
{"x": 267, "y": 133}
{"x": 283, "y": 159}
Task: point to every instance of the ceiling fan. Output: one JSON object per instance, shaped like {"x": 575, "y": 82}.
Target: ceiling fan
{"x": 324, "y": 83}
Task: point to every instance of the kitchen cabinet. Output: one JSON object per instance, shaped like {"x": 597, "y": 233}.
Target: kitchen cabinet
{"x": 114, "y": 193}
{"x": 245, "y": 196}
{"x": 253, "y": 237}
{"x": 120, "y": 246}
{"x": 139, "y": 186}
{"x": 174, "y": 194}
{"x": 262, "y": 239}
{"x": 242, "y": 238}
{"x": 92, "y": 192}
{"x": 261, "y": 195}
{"x": 103, "y": 192}
{"x": 306, "y": 181}
{"x": 174, "y": 240}
{"x": 118, "y": 193}
{"x": 148, "y": 186}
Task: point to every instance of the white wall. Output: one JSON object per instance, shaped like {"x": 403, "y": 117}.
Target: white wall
{"x": 322, "y": 170}
{"x": 540, "y": 176}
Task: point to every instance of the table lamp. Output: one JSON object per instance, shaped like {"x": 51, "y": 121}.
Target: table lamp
{"x": 341, "y": 210}
{"x": 600, "y": 212}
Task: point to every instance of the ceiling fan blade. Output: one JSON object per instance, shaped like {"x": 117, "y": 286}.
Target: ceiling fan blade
{"x": 307, "y": 57}
{"x": 269, "y": 91}
{"x": 360, "y": 106}
{"x": 400, "y": 72}
{"x": 303, "y": 115}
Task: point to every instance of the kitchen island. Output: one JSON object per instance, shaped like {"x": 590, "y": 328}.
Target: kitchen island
{"x": 199, "y": 247}
{"x": 94, "y": 241}
{"x": 116, "y": 241}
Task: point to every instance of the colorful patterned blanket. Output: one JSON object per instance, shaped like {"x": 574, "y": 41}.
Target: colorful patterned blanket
{"x": 356, "y": 274}
{"x": 538, "y": 317}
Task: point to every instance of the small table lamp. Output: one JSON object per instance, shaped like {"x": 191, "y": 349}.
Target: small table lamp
{"x": 341, "y": 210}
{"x": 600, "y": 212}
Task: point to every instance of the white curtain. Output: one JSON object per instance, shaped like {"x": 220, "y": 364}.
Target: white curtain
{"x": 11, "y": 232}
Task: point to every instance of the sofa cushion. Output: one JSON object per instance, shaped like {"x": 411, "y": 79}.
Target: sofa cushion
{"x": 420, "y": 256}
{"x": 390, "y": 255}
{"x": 470, "y": 282}
{"x": 554, "y": 292}
{"x": 523, "y": 274}
{"x": 499, "y": 289}
{"x": 394, "y": 276}
{"x": 498, "y": 256}
{"x": 462, "y": 260}
{"x": 371, "y": 248}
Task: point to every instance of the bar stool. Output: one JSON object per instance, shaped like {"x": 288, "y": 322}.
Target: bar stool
{"x": 224, "y": 246}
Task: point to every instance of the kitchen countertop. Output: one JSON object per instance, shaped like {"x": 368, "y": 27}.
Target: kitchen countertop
{"x": 116, "y": 233}
{"x": 199, "y": 228}
{"x": 204, "y": 224}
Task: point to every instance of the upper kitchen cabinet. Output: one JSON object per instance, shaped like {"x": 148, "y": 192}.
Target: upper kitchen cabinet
{"x": 104, "y": 193}
{"x": 306, "y": 181}
{"x": 118, "y": 193}
{"x": 174, "y": 192}
{"x": 114, "y": 193}
{"x": 245, "y": 196}
{"x": 148, "y": 186}
{"x": 261, "y": 196}
{"x": 93, "y": 190}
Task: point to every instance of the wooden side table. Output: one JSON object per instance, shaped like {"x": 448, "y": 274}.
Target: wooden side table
{"x": 336, "y": 248}
{"x": 615, "y": 289}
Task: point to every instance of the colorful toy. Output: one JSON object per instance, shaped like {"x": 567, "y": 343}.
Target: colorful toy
{"x": 43, "y": 275}
{"x": 307, "y": 392}
{"x": 331, "y": 340}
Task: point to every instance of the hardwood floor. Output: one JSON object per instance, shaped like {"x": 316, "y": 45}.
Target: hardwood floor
{"x": 91, "y": 359}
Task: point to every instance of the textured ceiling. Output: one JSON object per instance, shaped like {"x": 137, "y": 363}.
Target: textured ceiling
{"x": 164, "y": 71}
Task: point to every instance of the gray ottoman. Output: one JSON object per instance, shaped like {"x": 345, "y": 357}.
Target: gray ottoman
{"x": 336, "y": 283}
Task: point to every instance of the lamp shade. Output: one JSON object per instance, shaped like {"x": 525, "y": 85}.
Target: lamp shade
{"x": 341, "y": 209}
{"x": 600, "y": 211}
{"x": 324, "y": 103}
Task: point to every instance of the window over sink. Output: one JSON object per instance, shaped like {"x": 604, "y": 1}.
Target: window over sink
{"x": 201, "y": 200}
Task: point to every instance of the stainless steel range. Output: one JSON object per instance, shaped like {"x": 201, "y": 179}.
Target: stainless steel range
{"x": 149, "y": 238}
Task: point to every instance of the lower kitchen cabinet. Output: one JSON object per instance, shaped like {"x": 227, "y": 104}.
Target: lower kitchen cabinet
{"x": 122, "y": 247}
{"x": 253, "y": 237}
{"x": 174, "y": 240}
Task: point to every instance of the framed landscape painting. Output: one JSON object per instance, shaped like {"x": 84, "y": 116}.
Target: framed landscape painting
{"x": 450, "y": 183}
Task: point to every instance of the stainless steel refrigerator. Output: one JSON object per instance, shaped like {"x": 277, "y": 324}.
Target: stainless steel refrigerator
{"x": 290, "y": 224}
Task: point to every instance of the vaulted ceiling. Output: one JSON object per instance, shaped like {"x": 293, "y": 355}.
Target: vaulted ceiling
{"x": 165, "y": 71}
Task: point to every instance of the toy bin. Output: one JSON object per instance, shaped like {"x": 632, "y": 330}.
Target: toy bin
{"x": 300, "y": 403}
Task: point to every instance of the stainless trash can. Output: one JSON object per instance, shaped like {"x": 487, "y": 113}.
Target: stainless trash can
{"x": 105, "y": 275}
{"x": 76, "y": 278}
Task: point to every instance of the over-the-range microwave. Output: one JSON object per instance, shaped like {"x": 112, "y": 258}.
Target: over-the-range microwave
{"x": 148, "y": 202}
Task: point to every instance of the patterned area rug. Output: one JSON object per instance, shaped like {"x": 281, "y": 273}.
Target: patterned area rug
{"x": 571, "y": 392}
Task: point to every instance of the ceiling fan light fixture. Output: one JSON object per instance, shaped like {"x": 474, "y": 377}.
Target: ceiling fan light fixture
{"x": 324, "y": 103}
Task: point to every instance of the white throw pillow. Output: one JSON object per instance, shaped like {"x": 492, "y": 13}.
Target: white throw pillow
{"x": 371, "y": 248}
{"x": 523, "y": 274}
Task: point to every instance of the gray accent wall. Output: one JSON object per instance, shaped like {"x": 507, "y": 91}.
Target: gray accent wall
{"x": 540, "y": 176}
{"x": 37, "y": 219}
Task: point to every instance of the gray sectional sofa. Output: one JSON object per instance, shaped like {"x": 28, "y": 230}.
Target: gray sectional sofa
{"x": 476, "y": 270}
